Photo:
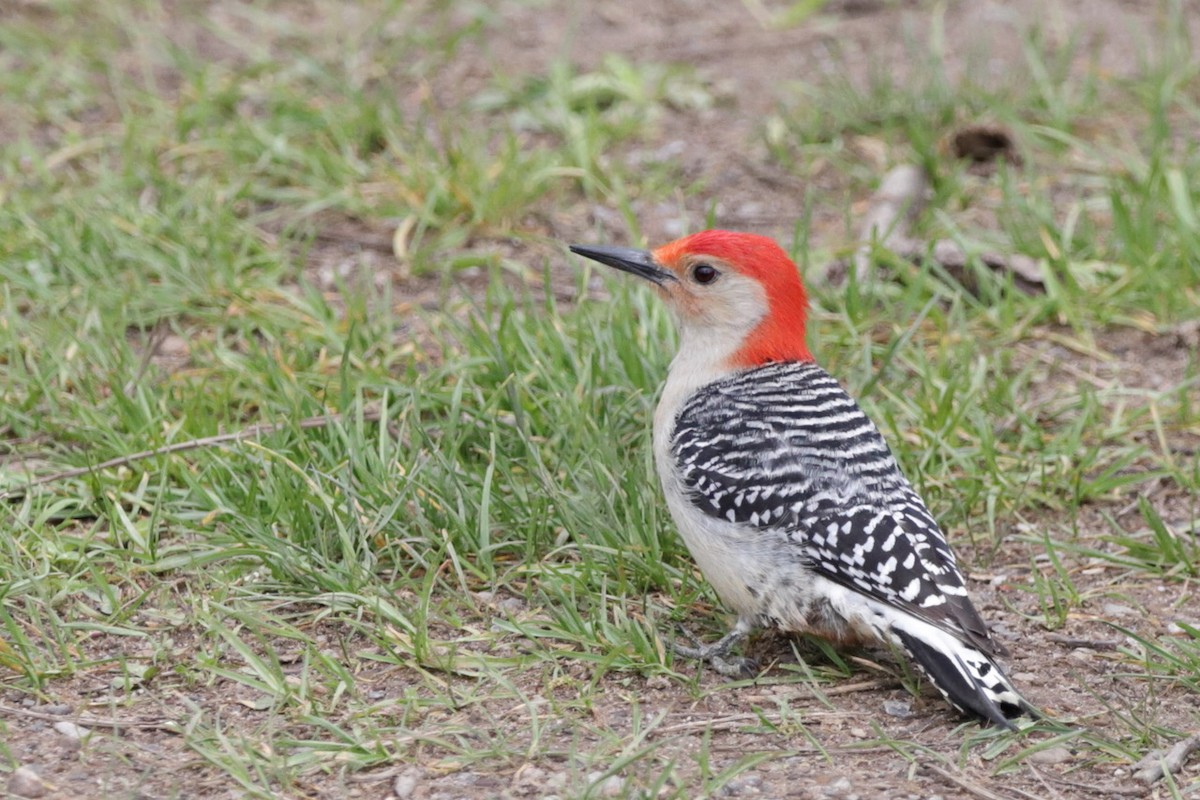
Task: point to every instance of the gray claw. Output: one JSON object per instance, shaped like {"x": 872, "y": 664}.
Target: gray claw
{"x": 715, "y": 654}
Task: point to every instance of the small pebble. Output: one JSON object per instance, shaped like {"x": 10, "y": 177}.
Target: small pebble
{"x": 605, "y": 787}
{"x": 405, "y": 784}
{"x": 1051, "y": 755}
{"x": 513, "y": 605}
{"x": 838, "y": 788}
{"x": 658, "y": 682}
{"x": 858, "y": 733}
{"x": 1117, "y": 610}
{"x": 612, "y": 786}
{"x": 72, "y": 731}
{"x": 747, "y": 784}
{"x": 24, "y": 782}
{"x": 529, "y": 779}
{"x": 897, "y": 708}
{"x": 173, "y": 346}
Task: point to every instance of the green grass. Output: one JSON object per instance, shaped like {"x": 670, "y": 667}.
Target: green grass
{"x": 471, "y": 560}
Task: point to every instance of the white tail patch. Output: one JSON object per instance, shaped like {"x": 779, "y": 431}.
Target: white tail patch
{"x": 967, "y": 677}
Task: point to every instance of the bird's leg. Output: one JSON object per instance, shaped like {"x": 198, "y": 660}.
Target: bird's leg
{"x": 715, "y": 654}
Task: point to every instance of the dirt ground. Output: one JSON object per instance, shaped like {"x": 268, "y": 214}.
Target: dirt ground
{"x": 1072, "y": 672}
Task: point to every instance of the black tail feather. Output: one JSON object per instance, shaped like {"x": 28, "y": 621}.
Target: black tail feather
{"x": 980, "y": 688}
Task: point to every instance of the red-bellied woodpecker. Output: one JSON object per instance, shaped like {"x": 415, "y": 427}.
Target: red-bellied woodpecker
{"x": 783, "y": 489}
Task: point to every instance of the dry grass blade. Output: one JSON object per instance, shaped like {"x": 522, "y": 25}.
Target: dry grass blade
{"x": 971, "y": 787}
{"x": 1093, "y": 644}
{"x": 254, "y": 431}
{"x": 89, "y": 721}
{"x": 1096, "y": 790}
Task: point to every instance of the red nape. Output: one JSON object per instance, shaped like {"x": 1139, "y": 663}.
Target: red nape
{"x": 780, "y": 336}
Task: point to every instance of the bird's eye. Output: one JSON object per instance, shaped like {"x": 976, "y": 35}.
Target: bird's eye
{"x": 705, "y": 273}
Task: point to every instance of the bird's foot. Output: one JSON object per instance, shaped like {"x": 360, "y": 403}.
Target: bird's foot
{"x": 716, "y": 655}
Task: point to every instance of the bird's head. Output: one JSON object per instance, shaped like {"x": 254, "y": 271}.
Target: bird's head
{"x": 737, "y": 295}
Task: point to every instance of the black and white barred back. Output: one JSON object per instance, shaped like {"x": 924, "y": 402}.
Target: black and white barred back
{"x": 783, "y": 447}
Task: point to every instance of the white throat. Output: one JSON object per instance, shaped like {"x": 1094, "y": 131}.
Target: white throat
{"x": 705, "y": 352}
{"x": 703, "y": 355}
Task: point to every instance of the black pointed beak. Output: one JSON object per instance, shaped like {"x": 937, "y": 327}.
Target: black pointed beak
{"x": 626, "y": 259}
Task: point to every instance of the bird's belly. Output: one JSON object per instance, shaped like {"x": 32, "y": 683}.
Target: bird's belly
{"x": 756, "y": 572}
{"x": 760, "y": 573}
